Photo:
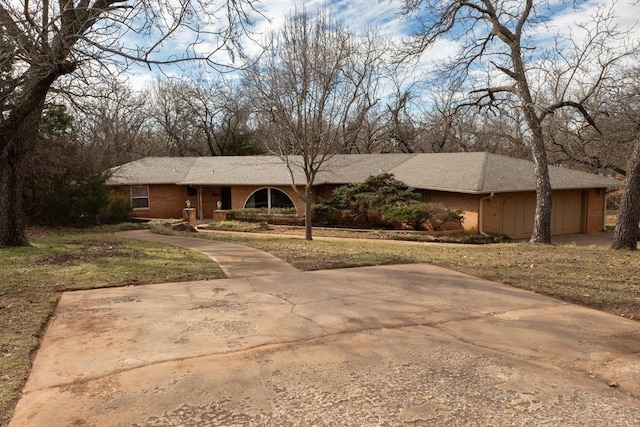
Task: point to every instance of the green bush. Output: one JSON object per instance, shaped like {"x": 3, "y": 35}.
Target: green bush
{"x": 83, "y": 205}
{"x": 263, "y": 214}
{"x": 383, "y": 201}
{"x": 368, "y": 201}
{"x": 420, "y": 214}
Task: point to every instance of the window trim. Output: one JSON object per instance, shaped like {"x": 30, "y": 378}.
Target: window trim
{"x": 269, "y": 198}
{"x": 147, "y": 197}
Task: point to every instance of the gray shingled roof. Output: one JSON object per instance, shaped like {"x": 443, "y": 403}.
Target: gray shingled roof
{"x": 152, "y": 170}
{"x": 476, "y": 173}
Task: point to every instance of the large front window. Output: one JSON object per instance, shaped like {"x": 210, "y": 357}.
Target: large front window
{"x": 140, "y": 197}
{"x": 268, "y": 198}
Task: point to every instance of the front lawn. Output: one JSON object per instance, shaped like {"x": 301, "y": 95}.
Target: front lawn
{"x": 31, "y": 279}
{"x": 595, "y": 277}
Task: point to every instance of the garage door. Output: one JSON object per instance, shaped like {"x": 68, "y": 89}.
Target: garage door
{"x": 566, "y": 215}
{"x": 518, "y": 213}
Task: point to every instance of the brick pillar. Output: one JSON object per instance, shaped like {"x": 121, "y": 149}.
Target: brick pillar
{"x": 189, "y": 215}
{"x": 219, "y": 215}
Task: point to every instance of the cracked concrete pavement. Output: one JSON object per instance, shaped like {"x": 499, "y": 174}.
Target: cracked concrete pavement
{"x": 373, "y": 346}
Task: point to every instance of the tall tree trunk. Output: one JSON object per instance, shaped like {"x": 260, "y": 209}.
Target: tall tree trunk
{"x": 542, "y": 222}
{"x": 17, "y": 141}
{"x": 308, "y": 213}
{"x": 12, "y": 226}
{"x": 626, "y": 232}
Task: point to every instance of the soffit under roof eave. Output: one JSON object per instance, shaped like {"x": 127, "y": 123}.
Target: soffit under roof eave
{"x": 523, "y": 190}
{"x": 229, "y": 184}
{"x": 113, "y": 184}
{"x": 510, "y": 190}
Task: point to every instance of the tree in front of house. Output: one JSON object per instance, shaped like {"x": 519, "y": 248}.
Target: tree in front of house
{"x": 613, "y": 147}
{"x": 627, "y": 110}
{"x": 312, "y": 93}
{"x": 43, "y": 43}
{"x": 368, "y": 201}
{"x": 504, "y": 65}
{"x": 626, "y": 234}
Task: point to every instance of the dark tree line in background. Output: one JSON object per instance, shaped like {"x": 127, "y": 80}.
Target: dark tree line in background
{"x": 52, "y": 50}
{"x": 576, "y": 104}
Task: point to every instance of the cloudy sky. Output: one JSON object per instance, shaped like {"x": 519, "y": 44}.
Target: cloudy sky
{"x": 385, "y": 16}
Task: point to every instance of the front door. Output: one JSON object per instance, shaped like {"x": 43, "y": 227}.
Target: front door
{"x": 225, "y": 197}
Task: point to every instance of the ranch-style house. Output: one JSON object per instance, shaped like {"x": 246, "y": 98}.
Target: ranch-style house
{"x": 496, "y": 193}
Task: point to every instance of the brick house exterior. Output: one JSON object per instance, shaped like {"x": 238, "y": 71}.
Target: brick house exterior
{"x": 496, "y": 193}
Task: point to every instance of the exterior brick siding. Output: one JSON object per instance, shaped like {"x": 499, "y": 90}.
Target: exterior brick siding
{"x": 168, "y": 201}
{"x": 595, "y": 220}
{"x": 165, "y": 201}
{"x": 468, "y": 203}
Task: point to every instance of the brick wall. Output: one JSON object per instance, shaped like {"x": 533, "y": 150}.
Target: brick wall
{"x": 168, "y": 201}
{"x": 165, "y": 201}
{"x": 595, "y": 220}
{"x": 324, "y": 192}
{"x": 465, "y": 202}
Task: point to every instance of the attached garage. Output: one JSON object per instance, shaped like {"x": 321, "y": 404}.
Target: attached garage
{"x": 567, "y": 213}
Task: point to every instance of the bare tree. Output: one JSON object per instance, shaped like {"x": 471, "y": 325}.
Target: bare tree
{"x": 202, "y": 117}
{"x": 111, "y": 126}
{"x": 386, "y": 122}
{"x": 626, "y": 232}
{"x": 312, "y": 90}
{"x": 499, "y": 36}
{"x": 627, "y": 109}
{"x": 220, "y": 112}
{"x": 176, "y": 127}
{"x": 605, "y": 150}
{"x": 613, "y": 147}
{"x": 44, "y": 41}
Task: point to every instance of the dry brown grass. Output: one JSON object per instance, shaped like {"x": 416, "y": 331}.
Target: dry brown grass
{"x": 31, "y": 279}
{"x": 592, "y": 276}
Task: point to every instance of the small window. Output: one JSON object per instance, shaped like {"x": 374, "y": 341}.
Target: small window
{"x": 140, "y": 197}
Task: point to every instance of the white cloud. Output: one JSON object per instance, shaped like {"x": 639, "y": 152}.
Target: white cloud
{"x": 385, "y": 16}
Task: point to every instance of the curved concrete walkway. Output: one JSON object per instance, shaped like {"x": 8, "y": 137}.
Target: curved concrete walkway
{"x": 403, "y": 345}
{"x": 234, "y": 260}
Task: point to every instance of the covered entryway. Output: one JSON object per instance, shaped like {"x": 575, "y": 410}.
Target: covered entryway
{"x": 518, "y": 213}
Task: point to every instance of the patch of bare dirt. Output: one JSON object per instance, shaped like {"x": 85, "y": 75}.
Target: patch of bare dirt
{"x": 89, "y": 251}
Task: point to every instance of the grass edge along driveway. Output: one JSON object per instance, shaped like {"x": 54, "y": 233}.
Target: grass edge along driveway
{"x": 32, "y": 278}
{"x": 595, "y": 277}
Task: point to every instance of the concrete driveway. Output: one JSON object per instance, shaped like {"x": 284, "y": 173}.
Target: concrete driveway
{"x": 377, "y": 346}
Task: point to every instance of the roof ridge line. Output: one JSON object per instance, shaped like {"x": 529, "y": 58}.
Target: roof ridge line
{"x": 483, "y": 170}
{"x": 410, "y": 156}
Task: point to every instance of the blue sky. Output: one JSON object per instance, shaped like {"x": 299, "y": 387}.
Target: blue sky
{"x": 385, "y": 16}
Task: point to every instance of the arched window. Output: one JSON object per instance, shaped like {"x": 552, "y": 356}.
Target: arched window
{"x": 269, "y": 198}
